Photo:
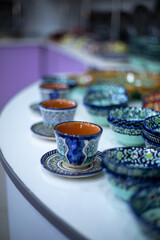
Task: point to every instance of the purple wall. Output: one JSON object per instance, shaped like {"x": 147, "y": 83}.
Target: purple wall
{"x": 22, "y": 65}
{"x": 19, "y": 66}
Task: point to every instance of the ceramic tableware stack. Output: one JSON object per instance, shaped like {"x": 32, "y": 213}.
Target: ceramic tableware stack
{"x": 100, "y": 102}
{"x": 151, "y": 132}
{"x": 126, "y": 124}
{"x": 130, "y": 168}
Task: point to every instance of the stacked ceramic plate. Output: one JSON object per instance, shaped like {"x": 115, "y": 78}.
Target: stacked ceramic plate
{"x": 151, "y": 132}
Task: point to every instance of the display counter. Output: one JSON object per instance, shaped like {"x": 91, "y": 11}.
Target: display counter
{"x": 42, "y": 205}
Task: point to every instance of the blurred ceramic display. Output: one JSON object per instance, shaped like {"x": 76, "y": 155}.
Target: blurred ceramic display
{"x": 77, "y": 142}
{"x": 155, "y": 105}
{"x": 99, "y": 103}
{"x": 53, "y": 90}
{"x": 108, "y": 87}
{"x": 145, "y": 205}
{"x": 126, "y": 123}
{"x": 137, "y": 83}
{"x": 152, "y": 97}
{"x": 54, "y": 111}
{"x": 129, "y": 168}
{"x": 83, "y": 79}
{"x": 59, "y": 79}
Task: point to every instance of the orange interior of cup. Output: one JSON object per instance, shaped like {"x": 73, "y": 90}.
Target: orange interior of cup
{"x": 78, "y": 128}
{"x": 54, "y": 85}
{"x": 58, "y": 103}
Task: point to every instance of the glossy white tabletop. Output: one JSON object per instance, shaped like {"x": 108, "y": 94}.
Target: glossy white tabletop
{"x": 88, "y": 205}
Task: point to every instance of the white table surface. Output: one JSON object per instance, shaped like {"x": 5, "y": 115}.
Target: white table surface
{"x": 88, "y": 205}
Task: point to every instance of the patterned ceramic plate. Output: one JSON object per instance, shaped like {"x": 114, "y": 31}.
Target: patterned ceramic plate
{"x": 35, "y": 107}
{"x": 52, "y": 162}
{"x": 42, "y": 132}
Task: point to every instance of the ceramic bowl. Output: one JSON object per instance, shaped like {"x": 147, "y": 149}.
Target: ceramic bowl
{"x": 77, "y": 142}
{"x": 150, "y": 144}
{"x": 145, "y": 205}
{"x": 152, "y": 125}
{"x": 99, "y": 103}
{"x": 108, "y": 87}
{"x": 133, "y": 161}
{"x": 59, "y": 79}
{"x": 124, "y": 187}
{"x": 151, "y": 137}
{"x": 131, "y": 116}
{"x": 127, "y": 122}
{"x": 55, "y": 111}
{"x": 53, "y": 90}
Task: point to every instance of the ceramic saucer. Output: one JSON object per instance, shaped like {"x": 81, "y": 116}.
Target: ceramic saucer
{"x": 35, "y": 107}
{"x": 40, "y": 130}
{"x": 52, "y": 162}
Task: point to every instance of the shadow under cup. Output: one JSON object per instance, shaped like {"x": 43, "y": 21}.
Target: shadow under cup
{"x": 77, "y": 142}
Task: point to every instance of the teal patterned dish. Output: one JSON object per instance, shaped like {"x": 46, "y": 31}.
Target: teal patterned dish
{"x": 130, "y": 116}
{"x": 52, "y": 162}
{"x": 145, "y": 205}
{"x": 41, "y": 131}
{"x": 127, "y": 122}
{"x": 107, "y": 87}
{"x": 99, "y": 103}
{"x": 133, "y": 161}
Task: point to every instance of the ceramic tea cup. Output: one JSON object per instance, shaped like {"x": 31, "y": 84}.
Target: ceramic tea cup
{"x": 53, "y": 90}
{"x": 77, "y": 142}
{"x": 54, "y": 111}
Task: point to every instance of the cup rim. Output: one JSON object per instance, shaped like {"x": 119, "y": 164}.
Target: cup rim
{"x": 73, "y": 135}
{"x": 58, "y": 108}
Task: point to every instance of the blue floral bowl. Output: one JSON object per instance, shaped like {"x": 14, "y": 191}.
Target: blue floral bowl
{"x": 99, "y": 103}
{"x": 77, "y": 142}
{"x": 127, "y": 122}
{"x": 131, "y": 116}
{"x": 145, "y": 205}
{"x": 152, "y": 125}
{"x": 107, "y": 87}
{"x": 149, "y": 143}
{"x": 128, "y": 169}
{"x": 55, "y": 111}
{"x": 133, "y": 161}
{"x": 53, "y": 90}
{"x": 151, "y": 137}
{"x": 125, "y": 187}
